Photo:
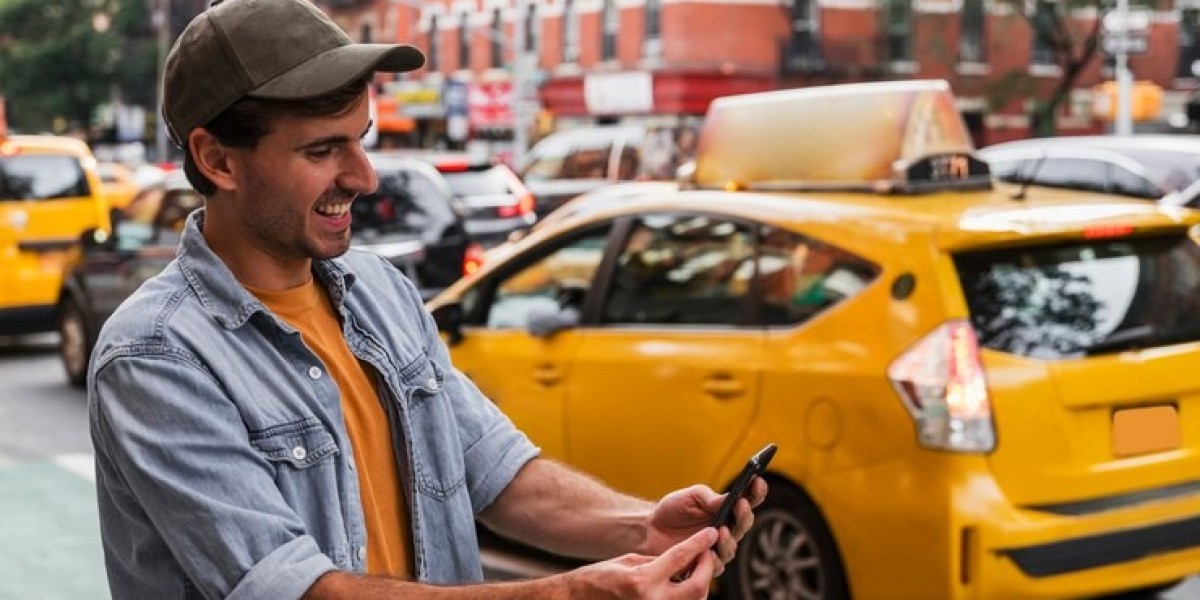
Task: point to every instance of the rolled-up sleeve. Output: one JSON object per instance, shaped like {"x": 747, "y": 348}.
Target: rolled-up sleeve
{"x": 175, "y": 469}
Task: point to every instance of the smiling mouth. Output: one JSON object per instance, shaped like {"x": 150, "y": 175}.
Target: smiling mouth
{"x": 333, "y": 210}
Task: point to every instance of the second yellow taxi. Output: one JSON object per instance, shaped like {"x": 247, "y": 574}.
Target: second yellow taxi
{"x": 976, "y": 392}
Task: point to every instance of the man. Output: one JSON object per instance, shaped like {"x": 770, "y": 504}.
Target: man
{"x": 273, "y": 421}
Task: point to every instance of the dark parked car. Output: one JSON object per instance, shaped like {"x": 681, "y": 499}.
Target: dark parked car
{"x": 110, "y": 267}
{"x": 411, "y": 219}
{"x": 1155, "y": 167}
{"x": 415, "y": 220}
{"x": 496, "y": 200}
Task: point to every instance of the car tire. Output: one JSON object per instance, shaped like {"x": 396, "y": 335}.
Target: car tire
{"x": 788, "y": 553}
{"x": 75, "y": 347}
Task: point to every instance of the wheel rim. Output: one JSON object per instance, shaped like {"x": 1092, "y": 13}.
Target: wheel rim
{"x": 71, "y": 330}
{"x": 782, "y": 560}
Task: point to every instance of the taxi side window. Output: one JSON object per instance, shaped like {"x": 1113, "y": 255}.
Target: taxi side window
{"x": 558, "y": 280}
{"x": 800, "y": 277}
{"x": 682, "y": 270}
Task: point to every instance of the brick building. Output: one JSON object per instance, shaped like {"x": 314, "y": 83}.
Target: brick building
{"x": 663, "y": 61}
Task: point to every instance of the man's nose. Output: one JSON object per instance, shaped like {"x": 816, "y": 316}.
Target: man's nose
{"x": 357, "y": 173}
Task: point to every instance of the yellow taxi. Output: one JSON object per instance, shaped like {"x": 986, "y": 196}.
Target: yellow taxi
{"x": 975, "y": 392}
{"x": 50, "y": 193}
{"x": 117, "y": 183}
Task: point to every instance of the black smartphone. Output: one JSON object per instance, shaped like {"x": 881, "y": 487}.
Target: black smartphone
{"x": 755, "y": 466}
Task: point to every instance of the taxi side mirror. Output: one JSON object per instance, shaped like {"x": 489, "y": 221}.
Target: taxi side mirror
{"x": 544, "y": 323}
{"x": 449, "y": 321}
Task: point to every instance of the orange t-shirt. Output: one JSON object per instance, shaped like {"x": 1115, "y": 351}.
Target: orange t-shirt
{"x": 307, "y": 308}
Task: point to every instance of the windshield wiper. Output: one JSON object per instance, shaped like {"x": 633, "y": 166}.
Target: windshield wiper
{"x": 1123, "y": 339}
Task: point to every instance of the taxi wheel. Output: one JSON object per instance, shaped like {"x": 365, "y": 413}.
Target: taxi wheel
{"x": 788, "y": 554}
{"x": 74, "y": 348}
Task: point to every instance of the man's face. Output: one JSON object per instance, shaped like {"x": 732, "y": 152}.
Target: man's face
{"x": 295, "y": 187}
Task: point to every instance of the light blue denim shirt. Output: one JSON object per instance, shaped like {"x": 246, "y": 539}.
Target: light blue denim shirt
{"x": 223, "y": 466}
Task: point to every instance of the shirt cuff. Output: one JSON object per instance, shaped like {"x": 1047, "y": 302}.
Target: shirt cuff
{"x": 285, "y": 573}
{"x": 507, "y": 450}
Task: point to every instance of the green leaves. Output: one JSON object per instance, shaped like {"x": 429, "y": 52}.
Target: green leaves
{"x": 60, "y": 59}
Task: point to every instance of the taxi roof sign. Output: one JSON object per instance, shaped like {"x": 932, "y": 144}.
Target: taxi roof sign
{"x": 899, "y": 137}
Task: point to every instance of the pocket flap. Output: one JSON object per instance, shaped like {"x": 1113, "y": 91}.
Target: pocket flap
{"x": 301, "y": 444}
{"x": 422, "y": 376}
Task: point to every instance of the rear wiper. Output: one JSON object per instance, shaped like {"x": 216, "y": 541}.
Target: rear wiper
{"x": 1122, "y": 339}
{"x": 1033, "y": 173}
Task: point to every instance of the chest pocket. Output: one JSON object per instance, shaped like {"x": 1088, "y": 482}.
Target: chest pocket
{"x": 299, "y": 445}
{"x": 438, "y": 470}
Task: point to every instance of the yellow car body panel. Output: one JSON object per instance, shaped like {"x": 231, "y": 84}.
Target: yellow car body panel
{"x": 46, "y": 232}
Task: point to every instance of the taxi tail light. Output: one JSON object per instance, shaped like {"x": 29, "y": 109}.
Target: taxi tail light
{"x": 523, "y": 206}
{"x": 472, "y": 258}
{"x": 940, "y": 379}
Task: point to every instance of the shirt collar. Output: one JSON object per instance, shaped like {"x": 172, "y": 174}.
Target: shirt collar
{"x": 219, "y": 291}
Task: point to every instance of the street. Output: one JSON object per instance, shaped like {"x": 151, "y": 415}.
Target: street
{"x": 51, "y": 548}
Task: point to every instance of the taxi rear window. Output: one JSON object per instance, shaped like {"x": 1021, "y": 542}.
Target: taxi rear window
{"x": 1082, "y": 299}
{"x": 41, "y": 177}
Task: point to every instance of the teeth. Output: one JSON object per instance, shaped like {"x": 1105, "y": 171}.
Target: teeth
{"x": 334, "y": 210}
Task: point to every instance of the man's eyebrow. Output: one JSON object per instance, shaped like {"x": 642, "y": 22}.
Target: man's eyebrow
{"x": 331, "y": 140}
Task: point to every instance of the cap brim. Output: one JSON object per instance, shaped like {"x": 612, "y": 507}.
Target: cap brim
{"x": 331, "y": 70}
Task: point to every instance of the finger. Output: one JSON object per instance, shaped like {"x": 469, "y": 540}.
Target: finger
{"x": 697, "y": 583}
{"x": 758, "y": 491}
{"x": 678, "y": 557}
{"x": 718, "y": 566}
{"x": 743, "y": 518}
{"x": 726, "y": 546}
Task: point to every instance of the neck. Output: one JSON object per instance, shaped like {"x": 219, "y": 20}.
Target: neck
{"x": 249, "y": 260}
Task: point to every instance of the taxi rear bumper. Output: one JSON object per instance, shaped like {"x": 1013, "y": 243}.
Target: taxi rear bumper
{"x": 22, "y": 320}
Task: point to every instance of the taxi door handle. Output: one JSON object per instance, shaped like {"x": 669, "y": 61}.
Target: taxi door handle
{"x": 723, "y": 387}
{"x": 547, "y": 374}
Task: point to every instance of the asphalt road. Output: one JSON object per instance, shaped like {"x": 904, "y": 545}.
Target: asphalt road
{"x": 49, "y": 533}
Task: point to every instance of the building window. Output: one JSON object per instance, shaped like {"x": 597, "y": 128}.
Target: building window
{"x": 433, "y": 48}
{"x": 972, "y": 39}
{"x": 364, "y": 33}
{"x": 533, "y": 29}
{"x": 898, "y": 27}
{"x": 653, "y": 47}
{"x": 610, "y": 24}
{"x": 1044, "y": 23}
{"x": 497, "y": 35}
{"x": 570, "y": 32}
{"x": 805, "y": 41}
{"x": 464, "y": 41}
{"x": 1189, "y": 48}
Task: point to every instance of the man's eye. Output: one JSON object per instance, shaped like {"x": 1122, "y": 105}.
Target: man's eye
{"x": 320, "y": 152}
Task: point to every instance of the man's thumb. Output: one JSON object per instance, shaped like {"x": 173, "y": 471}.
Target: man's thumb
{"x": 681, "y": 555}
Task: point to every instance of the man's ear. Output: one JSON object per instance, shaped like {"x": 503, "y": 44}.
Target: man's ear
{"x": 212, "y": 159}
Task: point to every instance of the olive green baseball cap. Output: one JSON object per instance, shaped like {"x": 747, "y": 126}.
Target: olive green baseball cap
{"x": 268, "y": 49}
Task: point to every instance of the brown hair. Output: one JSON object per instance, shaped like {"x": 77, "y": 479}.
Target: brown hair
{"x": 249, "y": 119}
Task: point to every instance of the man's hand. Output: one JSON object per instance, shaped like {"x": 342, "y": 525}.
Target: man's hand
{"x": 681, "y": 513}
{"x": 635, "y": 576}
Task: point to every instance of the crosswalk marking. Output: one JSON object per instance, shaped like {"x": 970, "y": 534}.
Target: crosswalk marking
{"x": 78, "y": 464}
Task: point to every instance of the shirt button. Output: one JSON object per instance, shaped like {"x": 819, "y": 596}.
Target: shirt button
{"x": 314, "y": 372}
{"x": 362, "y": 553}
{"x": 299, "y": 453}
{"x": 350, "y": 465}
{"x": 431, "y": 384}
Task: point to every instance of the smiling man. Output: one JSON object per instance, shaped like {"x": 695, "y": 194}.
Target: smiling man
{"x": 276, "y": 417}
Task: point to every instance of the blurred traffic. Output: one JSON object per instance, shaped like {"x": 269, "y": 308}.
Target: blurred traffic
{"x": 962, "y": 303}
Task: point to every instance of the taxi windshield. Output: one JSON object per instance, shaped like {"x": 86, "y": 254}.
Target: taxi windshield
{"x": 1080, "y": 299}
{"x": 41, "y": 177}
